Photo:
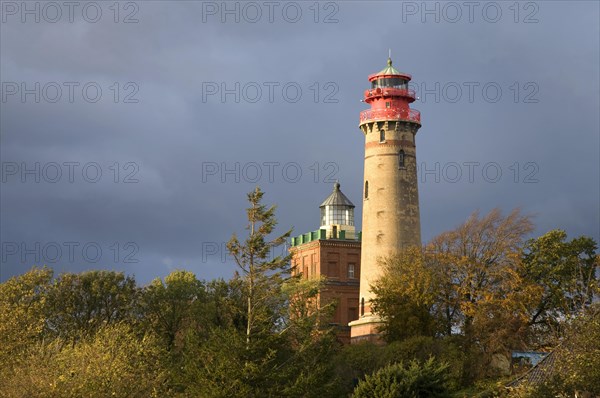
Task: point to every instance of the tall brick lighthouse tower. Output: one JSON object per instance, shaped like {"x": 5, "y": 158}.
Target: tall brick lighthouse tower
{"x": 390, "y": 196}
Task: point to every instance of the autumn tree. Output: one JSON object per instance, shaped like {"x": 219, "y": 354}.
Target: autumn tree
{"x": 23, "y": 310}
{"x": 465, "y": 281}
{"x": 117, "y": 361}
{"x": 406, "y": 295}
{"x": 480, "y": 259}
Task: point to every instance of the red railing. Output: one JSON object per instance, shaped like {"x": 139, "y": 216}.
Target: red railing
{"x": 411, "y": 115}
{"x": 390, "y": 91}
{"x": 376, "y": 75}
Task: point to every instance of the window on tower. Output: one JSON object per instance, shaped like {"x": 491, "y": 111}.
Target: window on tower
{"x": 381, "y": 135}
{"x": 401, "y": 159}
{"x": 388, "y": 104}
{"x": 350, "y": 271}
{"x": 337, "y": 214}
{"x": 366, "y": 189}
{"x": 394, "y": 82}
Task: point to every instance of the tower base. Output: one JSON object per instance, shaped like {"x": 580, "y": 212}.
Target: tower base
{"x": 366, "y": 328}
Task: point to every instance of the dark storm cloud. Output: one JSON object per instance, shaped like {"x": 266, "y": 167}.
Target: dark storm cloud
{"x": 189, "y": 157}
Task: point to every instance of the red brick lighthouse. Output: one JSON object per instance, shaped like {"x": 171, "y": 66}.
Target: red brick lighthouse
{"x": 390, "y": 220}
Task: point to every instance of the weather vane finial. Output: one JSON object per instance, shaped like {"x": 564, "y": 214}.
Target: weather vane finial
{"x": 390, "y": 57}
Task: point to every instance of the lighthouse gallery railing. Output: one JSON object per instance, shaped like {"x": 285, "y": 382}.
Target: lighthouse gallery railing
{"x": 411, "y": 115}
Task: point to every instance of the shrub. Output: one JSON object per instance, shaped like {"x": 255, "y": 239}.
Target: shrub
{"x": 415, "y": 380}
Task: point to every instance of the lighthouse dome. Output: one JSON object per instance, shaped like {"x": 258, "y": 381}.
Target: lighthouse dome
{"x": 389, "y": 70}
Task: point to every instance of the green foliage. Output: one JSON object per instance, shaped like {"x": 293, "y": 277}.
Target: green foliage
{"x": 469, "y": 297}
{"x": 577, "y": 365}
{"x": 224, "y": 305}
{"x": 406, "y": 295}
{"x": 449, "y": 350}
{"x": 261, "y": 276}
{"x": 356, "y": 361}
{"x": 283, "y": 350}
{"x": 307, "y": 316}
{"x": 170, "y": 307}
{"x": 23, "y": 309}
{"x": 79, "y": 304}
{"x": 117, "y": 361}
{"x": 216, "y": 366}
{"x": 566, "y": 272}
{"x": 427, "y": 379}
{"x": 484, "y": 282}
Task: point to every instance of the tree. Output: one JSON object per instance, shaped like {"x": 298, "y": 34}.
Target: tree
{"x": 23, "y": 309}
{"x": 262, "y": 276}
{"x": 576, "y": 366}
{"x": 307, "y": 316}
{"x": 477, "y": 258}
{"x": 428, "y": 379}
{"x": 117, "y": 361}
{"x": 465, "y": 281}
{"x": 225, "y": 304}
{"x": 283, "y": 350}
{"x": 247, "y": 362}
{"x": 309, "y": 342}
{"x": 174, "y": 305}
{"x": 483, "y": 296}
{"x": 567, "y": 272}
{"x": 81, "y": 303}
{"x": 406, "y": 294}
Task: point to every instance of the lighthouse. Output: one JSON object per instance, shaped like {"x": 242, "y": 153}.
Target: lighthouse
{"x": 390, "y": 220}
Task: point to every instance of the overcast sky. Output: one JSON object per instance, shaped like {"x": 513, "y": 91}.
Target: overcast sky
{"x": 131, "y": 134}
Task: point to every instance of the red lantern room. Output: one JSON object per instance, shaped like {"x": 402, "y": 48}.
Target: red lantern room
{"x": 389, "y": 97}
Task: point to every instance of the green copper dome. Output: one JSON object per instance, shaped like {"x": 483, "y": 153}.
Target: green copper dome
{"x": 389, "y": 70}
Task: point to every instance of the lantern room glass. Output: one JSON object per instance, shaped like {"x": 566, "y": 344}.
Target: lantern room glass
{"x": 337, "y": 215}
{"x": 392, "y": 82}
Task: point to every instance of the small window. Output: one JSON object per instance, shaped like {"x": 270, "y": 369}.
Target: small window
{"x": 401, "y": 164}
{"x": 388, "y": 104}
{"x": 381, "y": 135}
{"x": 366, "y": 189}
{"x": 362, "y": 306}
{"x": 350, "y": 271}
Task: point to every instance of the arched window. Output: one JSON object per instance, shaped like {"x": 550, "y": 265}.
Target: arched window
{"x": 381, "y": 135}
{"x": 366, "y": 189}
{"x": 401, "y": 159}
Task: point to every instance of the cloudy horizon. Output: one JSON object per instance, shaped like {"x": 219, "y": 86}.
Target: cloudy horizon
{"x": 131, "y": 134}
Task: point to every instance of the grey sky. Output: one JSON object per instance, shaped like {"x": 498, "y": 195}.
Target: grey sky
{"x": 541, "y": 130}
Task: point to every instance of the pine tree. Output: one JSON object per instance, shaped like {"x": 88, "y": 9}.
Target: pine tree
{"x": 261, "y": 272}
